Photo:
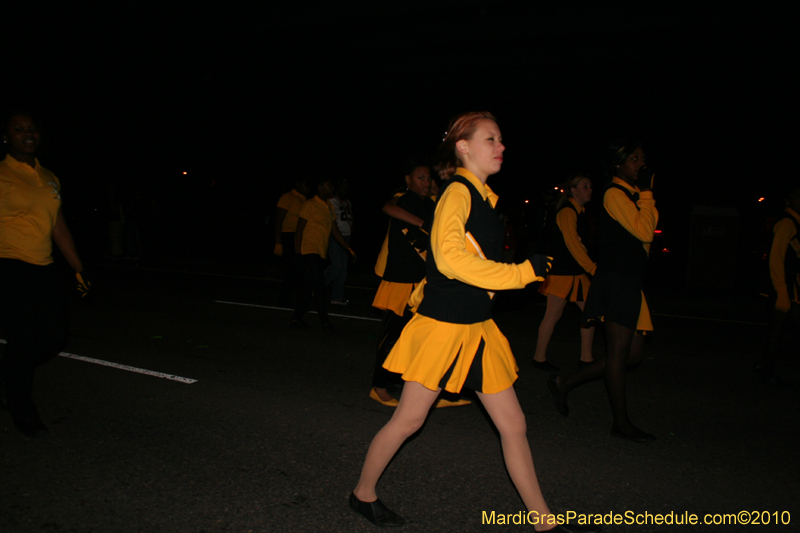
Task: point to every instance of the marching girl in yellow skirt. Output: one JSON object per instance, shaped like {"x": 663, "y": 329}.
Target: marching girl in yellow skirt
{"x": 452, "y": 341}
{"x": 627, "y": 224}
{"x": 568, "y": 280}
{"x": 401, "y": 267}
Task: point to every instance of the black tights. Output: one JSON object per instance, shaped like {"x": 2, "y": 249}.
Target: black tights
{"x": 33, "y": 318}
{"x": 624, "y": 351}
{"x": 391, "y": 327}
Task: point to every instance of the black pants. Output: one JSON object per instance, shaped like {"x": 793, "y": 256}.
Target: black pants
{"x": 291, "y": 272}
{"x": 391, "y": 327}
{"x": 33, "y": 322}
{"x": 313, "y": 285}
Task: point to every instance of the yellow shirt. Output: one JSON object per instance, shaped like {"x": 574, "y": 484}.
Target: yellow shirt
{"x": 785, "y": 233}
{"x": 567, "y": 222}
{"x": 29, "y": 202}
{"x": 292, "y": 201}
{"x": 319, "y": 216}
{"x": 641, "y": 223}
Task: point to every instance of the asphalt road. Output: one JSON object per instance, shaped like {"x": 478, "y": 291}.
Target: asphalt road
{"x": 272, "y": 434}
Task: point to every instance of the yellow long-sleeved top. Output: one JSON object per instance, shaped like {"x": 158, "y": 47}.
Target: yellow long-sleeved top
{"x": 641, "y": 223}
{"x": 784, "y": 232}
{"x": 457, "y": 255}
{"x": 30, "y": 198}
{"x": 567, "y": 222}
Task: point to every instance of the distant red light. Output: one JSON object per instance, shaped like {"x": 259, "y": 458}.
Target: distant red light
{"x": 665, "y": 250}
{"x": 761, "y": 199}
{"x": 657, "y": 231}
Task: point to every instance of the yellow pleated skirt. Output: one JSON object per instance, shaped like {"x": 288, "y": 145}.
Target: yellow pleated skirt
{"x": 570, "y": 288}
{"x": 393, "y": 296}
{"x": 428, "y": 350}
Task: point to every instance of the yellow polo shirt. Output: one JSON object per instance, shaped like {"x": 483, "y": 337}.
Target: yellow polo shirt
{"x": 292, "y": 201}
{"x": 319, "y": 216}
{"x": 29, "y": 202}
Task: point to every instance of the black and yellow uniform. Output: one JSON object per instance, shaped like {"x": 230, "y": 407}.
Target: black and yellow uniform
{"x": 568, "y": 278}
{"x": 403, "y": 269}
{"x": 784, "y": 269}
{"x": 32, "y": 312}
{"x": 784, "y": 257}
{"x": 453, "y": 337}
{"x": 404, "y": 263}
{"x": 627, "y": 224}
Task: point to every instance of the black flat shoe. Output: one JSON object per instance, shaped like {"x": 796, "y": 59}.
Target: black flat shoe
{"x": 574, "y": 528}
{"x": 632, "y": 434}
{"x": 376, "y": 512}
{"x": 561, "y": 405}
{"x": 547, "y": 366}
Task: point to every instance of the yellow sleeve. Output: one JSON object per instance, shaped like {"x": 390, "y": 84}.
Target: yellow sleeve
{"x": 449, "y": 242}
{"x": 641, "y": 223}
{"x": 284, "y": 202}
{"x": 567, "y": 222}
{"x": 784, "y": 232}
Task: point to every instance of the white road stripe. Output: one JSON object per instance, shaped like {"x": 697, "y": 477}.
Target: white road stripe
{"x": 144, "y": 371}
{"x": 287, "y": 309}
{"x": 539, "y": 304}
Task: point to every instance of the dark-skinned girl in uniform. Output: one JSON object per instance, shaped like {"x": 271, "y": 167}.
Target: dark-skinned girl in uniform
{"x": 627, "y": 224}
{"x": 401, "y": 266}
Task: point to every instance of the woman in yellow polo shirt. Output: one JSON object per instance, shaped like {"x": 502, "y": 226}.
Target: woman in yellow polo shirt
{"x": 315, "y": 226}
{"x": 32, "y": 314}
{"x": 286, "y": 215}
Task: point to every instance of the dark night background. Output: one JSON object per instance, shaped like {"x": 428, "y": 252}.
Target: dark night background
{"x": 244, "y": 99}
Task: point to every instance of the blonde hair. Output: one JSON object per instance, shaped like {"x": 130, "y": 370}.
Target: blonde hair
{"x": 566, "y": 189}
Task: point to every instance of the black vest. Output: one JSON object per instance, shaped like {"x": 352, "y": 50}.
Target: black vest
{"x": 619, "y": 250}
{"x": 404, "y": 264}
{"x": 449, "y": 300}
{"x": 563, "y": 262}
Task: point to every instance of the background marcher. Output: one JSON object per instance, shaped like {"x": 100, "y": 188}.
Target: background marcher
{"x": 33, "y": 313}
{"x": 568, "y": 280}
{"x": 627, "y": 225}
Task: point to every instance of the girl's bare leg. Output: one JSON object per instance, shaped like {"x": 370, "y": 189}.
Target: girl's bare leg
{"x": 552, "y": 314}
{"x": 415, "y": 403}
{"x": 506, "y": 413}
